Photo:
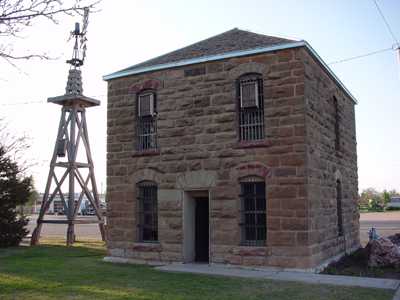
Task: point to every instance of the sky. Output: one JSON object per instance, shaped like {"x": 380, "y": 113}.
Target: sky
{"x": 125, "y": 32}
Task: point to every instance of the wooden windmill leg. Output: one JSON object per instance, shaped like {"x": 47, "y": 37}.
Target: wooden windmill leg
{"x": 70, "y": 234}
{"x": 45, "y": 202}
{"x": 36, "y": 235}
{"x": 85, "y": 139}
{"x": 102, "y": 232}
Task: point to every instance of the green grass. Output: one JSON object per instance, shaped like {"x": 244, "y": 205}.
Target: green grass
{"x": 53, "y": 271}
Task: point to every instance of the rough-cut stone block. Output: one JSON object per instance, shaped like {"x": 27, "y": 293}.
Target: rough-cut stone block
{"x": 199, "y": 151}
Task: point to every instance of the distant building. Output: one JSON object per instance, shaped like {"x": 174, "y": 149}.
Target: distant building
{"x": 57, "y": 207}
{"x": 239, "y": 149}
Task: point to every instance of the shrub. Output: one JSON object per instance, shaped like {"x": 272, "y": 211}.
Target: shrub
{"x": 15, "y": 190}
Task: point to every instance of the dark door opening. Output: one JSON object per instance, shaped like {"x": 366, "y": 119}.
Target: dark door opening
{"x": 201, "y": 230}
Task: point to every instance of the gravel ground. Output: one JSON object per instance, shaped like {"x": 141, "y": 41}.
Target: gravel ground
{"x": 82, "y": 231}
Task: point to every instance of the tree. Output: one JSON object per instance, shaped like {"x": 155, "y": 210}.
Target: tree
{"x": 15, "y": 190}
{"x": 17, "y": 15}
{"x": 386, "y": 197}
{"x": 393, "y": 193}
{"x": 15, "y": 186}
{"x": 372, "y": 199}
{"x": 369, "y": 194}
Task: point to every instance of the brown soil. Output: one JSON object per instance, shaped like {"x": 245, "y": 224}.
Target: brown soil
{"x": 356, "y": 264}
{"x": 395, "y": 239}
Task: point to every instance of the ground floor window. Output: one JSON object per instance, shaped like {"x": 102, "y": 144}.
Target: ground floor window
{"x": 253, "y": 212}
{"x": 339, "y": 207}
{"x": 147, "y": 212}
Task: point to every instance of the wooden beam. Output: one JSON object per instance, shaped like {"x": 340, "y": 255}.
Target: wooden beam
{"x": 67, "y": 165}
{"x": 72, "y": 128}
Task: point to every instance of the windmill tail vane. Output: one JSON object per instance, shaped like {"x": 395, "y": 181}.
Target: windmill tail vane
{"x": 79, "y": 49}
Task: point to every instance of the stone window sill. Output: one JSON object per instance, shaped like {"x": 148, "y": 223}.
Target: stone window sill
{"x": 247, "y": 245}
{"x": 152, "y": 246}
{"x": 253, "y": 144}
{"x": 251, "y": 250}
{"x": 145, "y": 243}
{"x": 152, "y": 152}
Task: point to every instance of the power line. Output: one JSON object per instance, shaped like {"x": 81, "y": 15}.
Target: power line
{"x": 387, "y": 24}
{"x": 360, "y": 56}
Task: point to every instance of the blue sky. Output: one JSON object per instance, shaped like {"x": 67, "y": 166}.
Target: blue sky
{"x": 126, "y": 32}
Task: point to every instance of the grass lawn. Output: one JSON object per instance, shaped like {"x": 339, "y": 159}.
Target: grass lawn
{"x": 53, "y": 271}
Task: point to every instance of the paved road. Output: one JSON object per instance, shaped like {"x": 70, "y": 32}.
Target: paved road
{"x": 82, "y": 231}
{"x": 387, "y": 223}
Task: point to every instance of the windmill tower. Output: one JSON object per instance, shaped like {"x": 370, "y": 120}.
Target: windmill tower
{"x": 65, "y": 169}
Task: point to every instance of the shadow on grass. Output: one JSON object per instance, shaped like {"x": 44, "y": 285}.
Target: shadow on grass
{"x": 53, "y": 271}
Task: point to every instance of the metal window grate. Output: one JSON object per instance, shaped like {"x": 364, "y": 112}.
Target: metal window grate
{"x": 147, "y": 212}
{"x": 253, "y": 213}
{"x": 249, "y": 94}
{"x": 147, "y": 133}
{"x": 251, "y": 118}
{"x": 339, "y": 207}
{"x": 146, "y": 121}
{"x": 146, "y": 105}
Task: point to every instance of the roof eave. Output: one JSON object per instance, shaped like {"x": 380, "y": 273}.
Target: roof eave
{"x": 202, "y": 59}
{"x": 329, "y": 70}
{"x": 232, "y": 54}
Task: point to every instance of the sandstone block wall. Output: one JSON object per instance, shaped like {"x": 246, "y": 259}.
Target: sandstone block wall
{"x": 199, "y": 149}
{"x": 326, "y": 165}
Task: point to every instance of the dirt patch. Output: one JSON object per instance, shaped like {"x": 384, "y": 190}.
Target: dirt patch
{"x": 356, "y": 264}
{"x": 395, "y": 239}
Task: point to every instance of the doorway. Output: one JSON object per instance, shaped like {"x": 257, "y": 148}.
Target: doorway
{"x": 196, "y": 237}
{"x": 201, "y": 239}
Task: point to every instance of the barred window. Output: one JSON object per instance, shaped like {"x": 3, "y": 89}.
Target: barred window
{"x": 147, "y": 121}
{"x": 339, "y": 207}
{"x": 253, "y": 212}
{"x": 147, "y": 212}
{"x": 251, "y": 107}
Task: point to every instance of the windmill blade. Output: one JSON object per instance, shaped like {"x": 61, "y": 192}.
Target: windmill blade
{"x": 83, "y": 38}
{"x": 85, "y": 21}
{"x": 84, "y": 52}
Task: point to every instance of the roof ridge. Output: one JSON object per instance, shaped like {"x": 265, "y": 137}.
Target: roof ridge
{"x": 227, "y": 41}
{"x": 176, "y": 50}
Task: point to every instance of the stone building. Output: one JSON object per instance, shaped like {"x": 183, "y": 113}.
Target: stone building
{"x": 239, "y": 149}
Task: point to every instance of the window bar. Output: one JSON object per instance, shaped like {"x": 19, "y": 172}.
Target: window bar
{"x": 251, "y": 119}
{"x": 252, "y": 126}
{"x": 245, "y": 126}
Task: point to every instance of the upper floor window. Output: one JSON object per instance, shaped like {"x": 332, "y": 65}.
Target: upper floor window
{"x": 337, "y": 124}
{"x": 147, "y": 121}
{"x": 251, "y": 107}
{"x": 147, "y": 211}
{"x": 253, "y": 212}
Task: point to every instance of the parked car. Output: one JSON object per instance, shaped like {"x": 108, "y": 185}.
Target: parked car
{"x": 394, "y": 202}
{"x": 88, "y": 211}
